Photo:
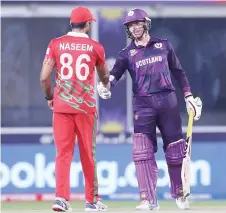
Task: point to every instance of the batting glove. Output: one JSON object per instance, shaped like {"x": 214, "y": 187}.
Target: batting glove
{"x": 104, "y": 92}
{"x": 194, "y": 104}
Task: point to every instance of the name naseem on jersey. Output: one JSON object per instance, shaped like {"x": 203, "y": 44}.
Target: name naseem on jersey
{"x": 75, "y": 46}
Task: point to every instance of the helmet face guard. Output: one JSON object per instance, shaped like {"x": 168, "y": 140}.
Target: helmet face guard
{"x": 136, "y": 15}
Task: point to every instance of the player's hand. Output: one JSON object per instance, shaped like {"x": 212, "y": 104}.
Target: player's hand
{"x": 194, "y": 104}
{"x": 50, "y": 104}
{"x": 104, "y": 92}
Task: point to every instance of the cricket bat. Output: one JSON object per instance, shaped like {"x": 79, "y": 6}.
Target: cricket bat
{"x": 186, "y": 172}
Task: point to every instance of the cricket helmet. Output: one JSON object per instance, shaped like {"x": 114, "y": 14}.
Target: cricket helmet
{"x": 136, "y": 15}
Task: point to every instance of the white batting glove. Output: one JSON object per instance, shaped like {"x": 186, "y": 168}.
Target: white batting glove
{"x": 194, "y": 104}
{"x": 104, "y": 92}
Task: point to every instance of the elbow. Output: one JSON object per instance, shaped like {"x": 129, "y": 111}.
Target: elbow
{"x": 43, "y": 81}
{"x": 44, "y": 78}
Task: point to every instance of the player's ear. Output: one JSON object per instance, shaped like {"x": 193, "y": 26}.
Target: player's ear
{"x": 88, "y": 23}
{"x": 88, "y": 26}
{"x": 70, "y": 25}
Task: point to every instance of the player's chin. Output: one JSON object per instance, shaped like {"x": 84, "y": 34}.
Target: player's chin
{"x": 137, "y": 36}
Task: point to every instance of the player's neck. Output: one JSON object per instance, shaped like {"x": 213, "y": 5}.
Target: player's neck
{"x": 78, "y": 31}
{"x": 143, "y": 41}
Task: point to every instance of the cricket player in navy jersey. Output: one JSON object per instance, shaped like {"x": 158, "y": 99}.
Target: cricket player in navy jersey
{"x": 150, "y": 62}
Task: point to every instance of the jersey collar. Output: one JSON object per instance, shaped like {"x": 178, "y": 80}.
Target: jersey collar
{"x": 78, "y": 34}
{"x": 153, "y": 40}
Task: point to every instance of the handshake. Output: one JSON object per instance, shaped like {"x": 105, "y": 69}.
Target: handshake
{"x": 104, "y": 91}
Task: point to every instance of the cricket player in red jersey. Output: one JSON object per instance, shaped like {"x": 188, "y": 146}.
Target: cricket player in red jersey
{"x": 75, "y": 56}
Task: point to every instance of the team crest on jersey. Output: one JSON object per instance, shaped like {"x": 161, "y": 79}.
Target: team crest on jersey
{"x": 133, "y": 52}
{"x": 158, "y": 45}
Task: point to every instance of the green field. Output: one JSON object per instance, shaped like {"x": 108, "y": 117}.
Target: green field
{"x": 113, "y": 206}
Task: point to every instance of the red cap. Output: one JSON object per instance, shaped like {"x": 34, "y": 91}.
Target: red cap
{"x": 81, "y": 14}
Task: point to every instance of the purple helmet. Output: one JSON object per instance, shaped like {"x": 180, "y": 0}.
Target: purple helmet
{"x": 136, "y": 15}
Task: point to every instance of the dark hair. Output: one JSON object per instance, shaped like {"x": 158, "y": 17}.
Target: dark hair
{"x": 78, "y": 25}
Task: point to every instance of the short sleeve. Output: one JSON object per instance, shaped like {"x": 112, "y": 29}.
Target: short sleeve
{"x": 100, "y": 56}
{"x": 49, "y": 56}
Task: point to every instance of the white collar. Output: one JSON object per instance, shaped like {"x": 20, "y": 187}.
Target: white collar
{"x": 78, "y": 34}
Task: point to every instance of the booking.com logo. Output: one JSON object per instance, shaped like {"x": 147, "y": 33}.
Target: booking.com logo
{"x": 24, "y": 175}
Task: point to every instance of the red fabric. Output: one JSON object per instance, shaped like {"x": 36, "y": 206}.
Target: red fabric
{"x": 81, "y": 15}
{"x": 66, "y": 127}
{"x": 75, "y": 59}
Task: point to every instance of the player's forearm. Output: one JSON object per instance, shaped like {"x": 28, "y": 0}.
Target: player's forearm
{"x": 182, "y": 80}
{"x": 103, "y": 74}
{"x": 177, "y": 71}
{"x": 104, "y": 79}
{"x": 45, "y": 76}
{"x": 46, "y": 87}
{"x": 116, "y": 73}
{"x": 119, "y": 68}
{"x": 113, "y": 80}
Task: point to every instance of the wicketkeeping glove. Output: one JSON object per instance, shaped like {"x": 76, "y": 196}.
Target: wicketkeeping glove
{"x": 195, "y": 104}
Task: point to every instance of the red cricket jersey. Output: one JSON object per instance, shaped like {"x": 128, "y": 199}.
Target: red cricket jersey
{"x": 75, "y": 56}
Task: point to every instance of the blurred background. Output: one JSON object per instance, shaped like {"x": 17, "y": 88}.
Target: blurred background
{"x": 197, "y": 30}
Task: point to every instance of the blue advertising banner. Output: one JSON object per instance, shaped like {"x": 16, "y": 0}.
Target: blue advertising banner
{"x": 30, "y": 169}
